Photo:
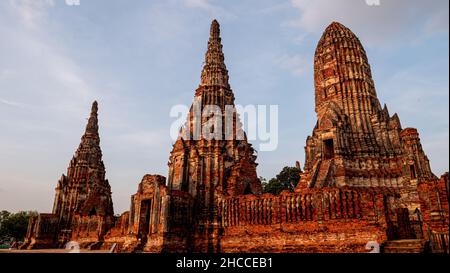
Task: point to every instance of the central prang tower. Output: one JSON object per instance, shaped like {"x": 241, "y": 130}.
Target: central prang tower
{"x": 208, "y": 168}
{"x": 200, "y": 166}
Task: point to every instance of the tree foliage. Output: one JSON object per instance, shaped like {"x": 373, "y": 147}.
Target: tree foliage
{"x": 14, "y": 225}
{"x": 287, "y": 179}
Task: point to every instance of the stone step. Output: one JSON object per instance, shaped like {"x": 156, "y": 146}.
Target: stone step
{"x": 403, "y": 250}
{"x": 323, "y": 172}
{"x": 405, "y": 246}
{"x": 415, "y": 242}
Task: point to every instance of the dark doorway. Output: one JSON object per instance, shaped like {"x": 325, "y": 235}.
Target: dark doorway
{"x": 248, "y": 189}
{"x": 405, "y": 230}
{"x": 93, "y": 212}
{"x": 412, "y": 169}
{"x": 145, "y": 217}
{"x": 328, "y": 147}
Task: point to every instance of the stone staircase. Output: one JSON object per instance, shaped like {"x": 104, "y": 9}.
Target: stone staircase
{"x": 324, "y": 172}
{"x": 134, "y": 247}
{"x": 130, "y": 247}
{"x": 312, "y": 184}
{"x": 406, "y": 246}
{"x": 95, "y": 246}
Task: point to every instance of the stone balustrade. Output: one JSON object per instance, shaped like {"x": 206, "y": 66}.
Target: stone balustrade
{"x": 328, "y": 204}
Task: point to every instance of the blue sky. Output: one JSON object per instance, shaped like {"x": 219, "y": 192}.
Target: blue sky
{"x": 139, "y": 58}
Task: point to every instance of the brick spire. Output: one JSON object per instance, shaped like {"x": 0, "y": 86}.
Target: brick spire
{"x": 89, "y": 148}
{"x": 84, "y": 190}
{"x": 238, "y": 175}
{"x": 92, "y": 126}
{"x": 214, "y": 71}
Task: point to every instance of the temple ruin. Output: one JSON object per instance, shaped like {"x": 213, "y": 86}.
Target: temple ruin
{"x": 365, "y": 179}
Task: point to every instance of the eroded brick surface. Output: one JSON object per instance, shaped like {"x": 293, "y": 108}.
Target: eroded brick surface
{"x": 365, "y": 179}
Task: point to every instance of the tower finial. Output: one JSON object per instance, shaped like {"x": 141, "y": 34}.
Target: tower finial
{"x": 92, "y": 126}
{"x": 94, "y": 107}
{"x": 215, "y": 29}
{"x": 214, "y": 70}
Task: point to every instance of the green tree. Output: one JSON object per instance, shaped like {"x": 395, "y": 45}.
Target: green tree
{"x": 287, "y": 179}
{"x": 3, "y": 215}
{"x": 15, "y": 225}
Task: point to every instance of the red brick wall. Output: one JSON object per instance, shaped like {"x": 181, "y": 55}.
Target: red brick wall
{"x": 434, "y": 198}
{"x": 316, "y": 237}
{"x": 88, "y": 229}
{"x": 325, "y": 220}
{"x": 42, "y": 232}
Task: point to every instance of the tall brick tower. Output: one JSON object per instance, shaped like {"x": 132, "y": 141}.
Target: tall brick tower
{"x": 84, "y": 190}
{"x": 207, "y": 168}
{"x": 199, "y": 166}
{"x": 355, "y": 141}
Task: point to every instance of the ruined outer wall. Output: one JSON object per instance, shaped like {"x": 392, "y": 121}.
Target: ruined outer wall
{"x": 42, "y": 232}
{"x": 89, "y": 229}
{"x": 330, "y": 220}
{"x": 176, "y": 235}
{"x": 434, "y": 197}
{"x": 333, "y": 236}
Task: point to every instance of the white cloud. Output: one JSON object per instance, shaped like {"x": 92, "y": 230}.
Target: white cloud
{"x": 11, "y": 103}
{"x": 214, "y": 10}
{"x": 438, "y": 22}
{"x": 36, "y": 69}
{"x": 296, "y": 64}
{"x": 41, "y": 87}
{"x": 6, "y": 74}
{"x": 203, "y": 4}
{"x": 273, "y": 8}
{"x": 377, "y": 25}
{"x": 417, "y": 87}
{"x": 436, "y": 147}
{"x": 31, "y": 12}
{"x": 143, "y": 139}
{"x": 420, "y": 97}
